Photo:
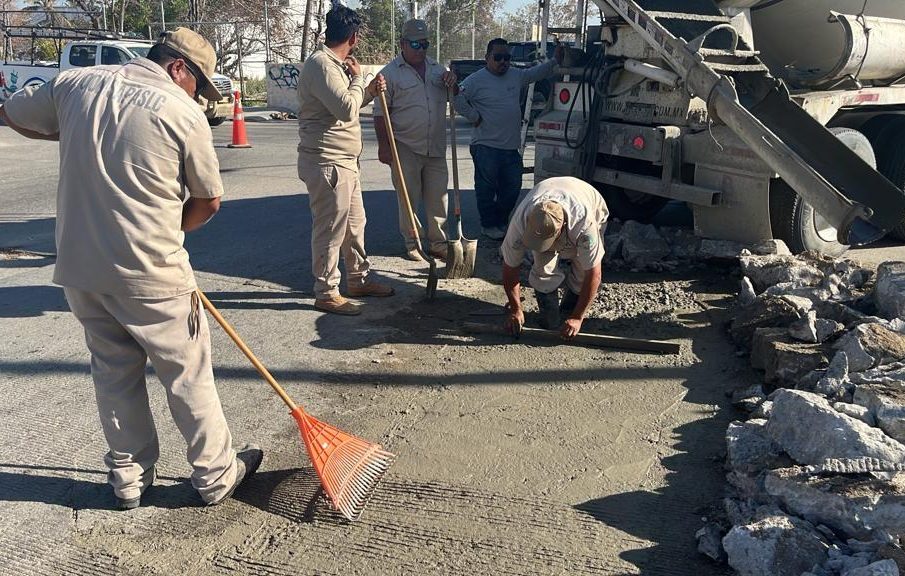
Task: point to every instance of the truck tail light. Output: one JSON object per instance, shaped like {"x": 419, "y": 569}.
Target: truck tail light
{"x": 564, "y": 96}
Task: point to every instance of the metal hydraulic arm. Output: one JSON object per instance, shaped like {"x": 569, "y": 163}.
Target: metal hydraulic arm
{"x": 859, "y": 202}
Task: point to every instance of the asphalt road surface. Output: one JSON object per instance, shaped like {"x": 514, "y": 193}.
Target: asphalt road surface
{"x": 512, "y": 458}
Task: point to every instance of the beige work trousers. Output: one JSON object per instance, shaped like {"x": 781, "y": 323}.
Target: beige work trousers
{"x": 122, "y": 334}
{"x": 337, "y": 226}
{"x": 426, "y": 179}
{"x": 546, "y": 275}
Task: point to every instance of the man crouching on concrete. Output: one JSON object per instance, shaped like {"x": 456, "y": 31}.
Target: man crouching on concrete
{"x": 331, "y": 92}
{"x": 559, "y": 218}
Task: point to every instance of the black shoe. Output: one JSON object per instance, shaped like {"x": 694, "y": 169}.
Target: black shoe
{"x": 548, "y": 307}
{"x": 133, "y": 503}
{"x": 569, "y": 302}
{"x": 248, "y": 459}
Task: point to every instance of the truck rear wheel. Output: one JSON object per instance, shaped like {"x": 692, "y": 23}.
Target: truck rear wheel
{"x": 216, "y": 121}
{"x": 631, "y": 205}
{"x": 796, "y": 223}
{"x": 887, "y": 135}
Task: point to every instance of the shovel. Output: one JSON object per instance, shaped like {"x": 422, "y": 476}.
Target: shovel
{"x": 432, "y": 277}
{"x": 460, "y": 252}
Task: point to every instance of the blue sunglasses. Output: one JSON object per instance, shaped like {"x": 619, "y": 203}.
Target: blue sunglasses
{"x": 419, "y": 44}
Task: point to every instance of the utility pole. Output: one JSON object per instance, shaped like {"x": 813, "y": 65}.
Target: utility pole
{"x": 392, "y": 25}
{"x": 472, "y": 30}
{"x": 306, "y": 31}
{"x": 266, "y": 34}
{"x": 438, "y": 31}
{"x": 501, "y": 26}
{"x": 163, "y": 17}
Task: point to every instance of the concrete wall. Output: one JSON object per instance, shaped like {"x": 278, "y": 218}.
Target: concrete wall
{"x": 282, "y": 83}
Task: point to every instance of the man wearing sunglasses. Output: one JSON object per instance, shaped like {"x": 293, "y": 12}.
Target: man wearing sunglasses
{"x": 416, "y": 95}
{"x": 490, "y": 98}
{"x": 137, "y": 170}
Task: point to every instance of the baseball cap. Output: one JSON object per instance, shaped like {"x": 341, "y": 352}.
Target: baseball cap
{"x": 415, "y": 30}
{"x": 198, "y": 51}
{"x": 544, "y": 222}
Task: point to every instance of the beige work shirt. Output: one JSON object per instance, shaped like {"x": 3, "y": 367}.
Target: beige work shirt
{"x": 132, "y": 146}
{"x": 586, "y": 217}
{"x": 329, "y": 104}
{"x": 417, "y": 107}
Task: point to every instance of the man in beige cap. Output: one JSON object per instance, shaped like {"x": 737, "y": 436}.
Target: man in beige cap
{"x": 564, "y": 218}
{"x": 331, "y": 92}
{"x": 417, "y": 89}
{"x": 134, "y": 144}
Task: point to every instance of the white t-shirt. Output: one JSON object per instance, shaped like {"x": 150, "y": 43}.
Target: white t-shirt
{"x": 586, "y": 215}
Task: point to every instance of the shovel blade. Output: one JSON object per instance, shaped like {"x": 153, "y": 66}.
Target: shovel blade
{"x": 460, "y": 258}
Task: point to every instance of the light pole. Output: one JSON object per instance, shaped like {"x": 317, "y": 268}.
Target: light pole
{"x": 266, "y": 34}
{"x": 472, "y": 30}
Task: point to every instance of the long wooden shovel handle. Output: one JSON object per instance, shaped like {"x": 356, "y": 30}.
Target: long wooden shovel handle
{"x": 397, "y": 168}
{"x": 265, "y": 373}
{"x": 453, "y": 141}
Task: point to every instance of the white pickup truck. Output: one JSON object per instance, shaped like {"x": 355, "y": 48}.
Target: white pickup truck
{"x": 80, "y": 53}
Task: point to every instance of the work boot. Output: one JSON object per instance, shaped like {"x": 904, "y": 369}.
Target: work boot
{"x": 147, "y": 480}
{"x": 413, "y": 254}
{"x": 369, "y": 288}
{"x": 548, "y": 308}
{"x": 338, "y": 305}
{"x": 248, "y": 459}
{"x": 569, "y": 301}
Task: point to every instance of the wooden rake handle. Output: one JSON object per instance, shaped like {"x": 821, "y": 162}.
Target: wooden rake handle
{"x": 264, "y": 372}
{"x": 397, "y": 168}
{"x": 453, "y": 141}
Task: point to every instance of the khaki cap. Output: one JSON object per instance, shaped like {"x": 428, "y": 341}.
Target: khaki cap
{"x": 544, "y": 222}
{"x": 415, "y": 30}
{"x": 196, "y": 50}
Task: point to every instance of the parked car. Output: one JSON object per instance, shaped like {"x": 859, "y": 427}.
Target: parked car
{"x": 81, "y": 53}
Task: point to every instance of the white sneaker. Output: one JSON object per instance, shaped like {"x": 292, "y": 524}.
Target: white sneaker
{"x": 494, "y": 232}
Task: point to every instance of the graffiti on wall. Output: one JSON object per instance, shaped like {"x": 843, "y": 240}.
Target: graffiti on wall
{"x": 283, "y": 82}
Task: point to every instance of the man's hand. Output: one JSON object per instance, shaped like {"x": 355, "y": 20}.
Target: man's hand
{"x": 353, "y": 68}
{"x": 514, "y": 322}
{"x": 377, "y": 85}
{"x": 449, "y": 80}
{"x": 385, "y": 155}
{"x": 570, "y": 328}
{"x": 559, "y": 53}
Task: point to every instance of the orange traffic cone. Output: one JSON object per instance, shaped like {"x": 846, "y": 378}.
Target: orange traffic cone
{"x": 240, "y": 139}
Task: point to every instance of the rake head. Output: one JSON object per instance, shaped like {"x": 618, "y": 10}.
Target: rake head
{"x": 349, "y": 468}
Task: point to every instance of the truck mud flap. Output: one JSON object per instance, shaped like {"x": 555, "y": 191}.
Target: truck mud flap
{"x": 826, "y": 154}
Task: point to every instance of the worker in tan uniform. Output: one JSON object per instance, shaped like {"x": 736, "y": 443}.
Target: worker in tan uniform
{"x": 331, "y": 92}
{"x": 416, "y": 93}
{"x": 137, "y": 170}
{"x": 561, "y": 218}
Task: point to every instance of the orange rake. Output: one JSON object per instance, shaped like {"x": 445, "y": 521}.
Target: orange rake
{"x": 349, "y": 468}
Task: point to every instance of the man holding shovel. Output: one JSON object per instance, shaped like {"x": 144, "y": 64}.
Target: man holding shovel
{"x": 331, "y": 92}
{"x": 416, "y": 93}
{"x": 560, "y": 218}
{"x": 134, "y": 145}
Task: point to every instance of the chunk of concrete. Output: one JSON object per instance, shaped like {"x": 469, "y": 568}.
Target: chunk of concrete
{"x": 826, "y": 329}
{"x": 762, "y": 342}
{"x": 770, "y": 247}
{"x": 749, "y": 450}
{"x": 788, "y": 362}
{"x": 889, "y": 293}
{"x": 766, "y": 312}
{"x": 858, "y": 505}
{"x": 710, "y": 541}
{"x": 869, "y": 345}
{"x": 881, "y": 568}
{"x": 886, "y": 401}
{"x": 766, "y": 271}
{"x": 642, "y": 245}
{"x": 862, "y": 413}
{"x": 835, "y": 381}
{"x": 775, "y": 546}
{"x": 810, "y": 431}
{"x": 805, "y": 329}
{"x": 746, "y": 294}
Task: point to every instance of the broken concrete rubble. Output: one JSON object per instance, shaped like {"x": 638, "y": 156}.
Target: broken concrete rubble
{"x": 767, "y": 271}
{"x": 810, "y": 431}
{"x": 889, "y": 293}
{"x": 886, "y": 402}
{"x": 881, "y": 568}
{"x": 778, "y": 545}
{"x": 870, "y": 345}
{"x": 642, "y": 244}
{"x": 749, "y": 450}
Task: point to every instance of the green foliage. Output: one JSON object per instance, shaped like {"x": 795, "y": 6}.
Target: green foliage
{"x": 46, "y": 49}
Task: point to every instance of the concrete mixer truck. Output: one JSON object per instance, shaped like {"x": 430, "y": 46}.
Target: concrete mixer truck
{"x": 770, "y": 118}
